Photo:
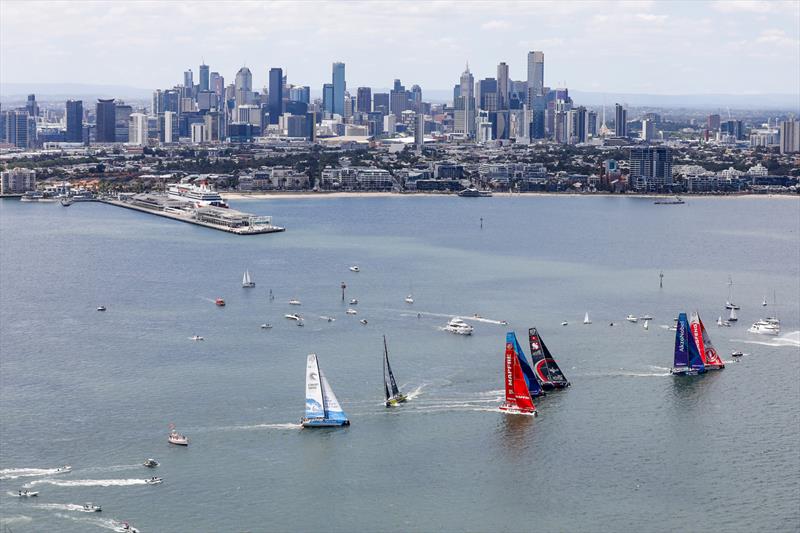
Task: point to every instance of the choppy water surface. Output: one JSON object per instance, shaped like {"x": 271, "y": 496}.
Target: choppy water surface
{"x": 626, "y": 448}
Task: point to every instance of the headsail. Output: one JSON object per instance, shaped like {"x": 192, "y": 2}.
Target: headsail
{"x": 530, "y": 379}
{"x": 314, "y": 401}
{"x": 712, "y": 359}
{"x": 333, "y": 410}
{"x": 697, "y": 335}
{"x": 518, "y": 397}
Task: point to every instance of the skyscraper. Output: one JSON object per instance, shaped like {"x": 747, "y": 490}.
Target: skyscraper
{"x": 275, "y": 94}
{"x": 204, "y": 81}
{"x": 339, "y": 87}
{"x": 327, "y": 98}
{"x": 502, "y": 86}
{"x": 31, "y": 106}
{"x": 244, "y": 86}
{"x": 790, "y": 136}
{"x": 188, "y": 79}
{"x": 137, "y": 129}
{"x": 465, "y": 105}
{"x": 74, "y": 114}
{"x": 105, "y": 114}
{"x": 650, "y": 168}
{"x": 535, "y": 74}
{"x": 364, "y": 99}
{"x": 620, "y": 121}
{"x": 122, "y": 115}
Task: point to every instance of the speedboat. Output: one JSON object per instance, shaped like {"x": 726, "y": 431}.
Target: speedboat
{"x": 293, "y": 316}
{"x": 736, "y": 353}
{"x": 154, "y": 480}
{"x": 764, "y": 327}
{"x": 126, "y": 528}
{"x": 266, "y": 326}
{"x": 354, "y": 302}
{"x": 197, "y": 338}
{"x": 458, "y": 326}
{"x": 645, "y": 317}
{"x": 63, "y": 469}
{"x": 363, "y": 321}
{"x": 564, "y": 323}
{"x": 101, "y": 307}
{"x": 220, "y": 302}
{"x": 177, "y": 438}
{"x": 150, "y": 463}
{"x": 351, "y": 311}
{"x": 91, "y": 508}
{"x": 355, "y": 268}
{"x": 294, "y": 301}
{"x": 409, "y": 299}
{"x": 27, "y": 493}
{"x": 631, "y": 318}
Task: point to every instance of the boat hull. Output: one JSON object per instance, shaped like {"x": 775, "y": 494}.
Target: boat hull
{"x": 323, "y": 423}
{"x": 685, "y": 372}
{"x": 514, "y": 410}
{"x": 392, "y": 402}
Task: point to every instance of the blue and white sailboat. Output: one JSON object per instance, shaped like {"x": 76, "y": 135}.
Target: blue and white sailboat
{"x": 322, "y": 407}
{"x": 530, "y": 378}
{"x": 687, "y": 359}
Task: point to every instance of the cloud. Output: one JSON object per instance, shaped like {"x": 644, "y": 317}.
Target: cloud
{"x": 496, "y": 25}
{"x": 777, "y": 37}
{"x": 743, "y": 6}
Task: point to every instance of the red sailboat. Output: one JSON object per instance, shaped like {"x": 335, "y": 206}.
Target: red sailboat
{"x": 708, "y": 353}
{"x": 518, "y": 397}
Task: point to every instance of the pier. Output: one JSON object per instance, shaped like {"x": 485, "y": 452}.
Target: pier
{"x": 222, "y": 219}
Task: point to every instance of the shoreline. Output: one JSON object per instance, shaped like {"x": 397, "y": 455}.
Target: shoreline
{"x": 296, "y": 195}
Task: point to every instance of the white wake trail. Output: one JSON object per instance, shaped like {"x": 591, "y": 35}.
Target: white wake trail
{"x": 88, "y": 482}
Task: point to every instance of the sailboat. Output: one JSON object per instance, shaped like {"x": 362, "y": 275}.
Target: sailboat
{"x": 764, "y": 302}
{"x": 702, "y": 340}
{"x": 586, "y": 318}
{"x": 646, "y": 322}
{"x": 247, "y": 281}
{"x": 518, "y": 396}
{"x": 322, "y": 407}
{"x": 389, "y": 384}
{"x": 733, "y": 317}
{"x": 527, "y": 371}
{"x": 545, "y": 368}
{"x": 729, "y": 304}
{"x": 687, "y": 360}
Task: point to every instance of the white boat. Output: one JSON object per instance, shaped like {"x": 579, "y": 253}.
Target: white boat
{"x": 101, "y": 307}
{"x": 27, "y": 494}
{"x": 91, "y": 508}
{"x": 63, "y": 470}
{"x": 293, "y": 316}
{"x": 409, "y": 299}
{"x": 645, "y": 317}
{"x": 327, "y": 318}
{"x": 458, "y": 326}
{"x": 197, "y": 338}
{"x": 197, "y": 195}
{"x": 631, "y": 318}
{"x": 736, "y": 353}
{"x": 762, "y": 327}
{"x": 154, "y": 480}
{"x": 723, "y": 323}
{"x": 646, "y": 326}
{"x": 586, "y": 318}
{"x": 266, "y": 326}
{"x": 363, "y": 321}
{"x": 294, "y": 301}
{"x": 355, "y": 268}
{"x": 351, "y": 311}
{"x": 732, "y": 317}
{"x": 126, "y": 528}
{"x": 322, "y": 406}
{"x": 176, "y": 438}
{"x": 764, "y": 302}
{"x": 247, "y": 281}
{"x": 150, "y": 463}
{"x": 564, "y": 323}
{"x": 354, "y": 301}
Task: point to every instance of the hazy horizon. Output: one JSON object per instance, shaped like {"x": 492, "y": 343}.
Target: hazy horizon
{"x": 669, "y": 49}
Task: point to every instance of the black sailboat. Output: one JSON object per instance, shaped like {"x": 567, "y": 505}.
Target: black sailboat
{"x": 545, "y": 368}
{"x": 389, "y": 384}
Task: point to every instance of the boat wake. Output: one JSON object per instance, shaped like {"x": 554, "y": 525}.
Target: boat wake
{"x": 60, "y": 507}
{"x": 14, "y": 519}
{"x": 15, "y": 473}
{"x": 106, "y": 523}
{"x": 415, "y": 393}
{"x": 267, "y": 426}
{"x": 791, "y": 340}
{"x": 471, "y": 318}
{"x": 87, "y": 482}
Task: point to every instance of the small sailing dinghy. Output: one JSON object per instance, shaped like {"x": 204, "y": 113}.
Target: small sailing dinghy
{"x": 322, "y": 407}
{"x": 687, "y": 360}
{"x": 545, "y": 368}
{"x": 586, "y": 318}
{"x": 702, "y": 340}
{"x": 518, "y": 397}
{"x": 393, "y": 394}
{"x": 247, "y": 281}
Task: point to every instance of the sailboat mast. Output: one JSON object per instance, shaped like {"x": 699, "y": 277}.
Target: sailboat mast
{"x": 321, "y": 390}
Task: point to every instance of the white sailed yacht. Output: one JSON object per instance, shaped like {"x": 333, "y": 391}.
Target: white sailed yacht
{"x": 409, "y": 299}
{"x": 247, "y": 281}
{"x": 733, "y": 317}
{"x": 458, "y": 326}
{"x": 586, "y": 318}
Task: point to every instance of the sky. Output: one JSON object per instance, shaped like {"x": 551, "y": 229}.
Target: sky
{"x": 665, "y": 47}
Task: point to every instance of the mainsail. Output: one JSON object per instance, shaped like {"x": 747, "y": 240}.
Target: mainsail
{"x": 530, "y": 378}
{"x": 387, "y": 372}
{"x": 314, "y": 401}
{"x": 544, "y": 366}
{"x": 712, "y": 359}
{"x": 518, "y": 396}
{"x": 247, "y": 280}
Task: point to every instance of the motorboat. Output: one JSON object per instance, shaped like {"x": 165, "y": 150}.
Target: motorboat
{"x": 220, "y": 302}
{"x": 101, "y": 307}
{"x": 565, "y": 323}
{"x": 327, "y": 318}
{"x": 409, "y": 299}
{"x": 27, "y": 494}
{"x": 645, "y": 317}
{"x": 354, "y": 301}
{"x": 63, "y": 469}
{"x": 154, "y": 480}
{"x": 631, "y": 318}
{"x": 150, "y": 463}
{"x": 351, "y": 311}
{"x": 91, "y": 508}
{"x": 763, "y": 327}
{"x": 736, "y": 353}
{"x": 126, "y": 528}
{"x": 458, "y": 326}
{"x": 197, "y": 338}
{"x": 355, "y": 268}
{"x": 293, "y": 316}
{"x": 295, "y": 301}
{"x": 176, "y": 438}
{"x": 66, "y": 202}
{"x": 266, "y": 326}
{"x": 363, "y": 321}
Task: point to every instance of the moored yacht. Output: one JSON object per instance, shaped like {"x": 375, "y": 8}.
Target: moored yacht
{"x": 351, "y": 311}
{"x": 295, "y": 301}
{"x": 766, "y": 326}
{"x": 176, "y": 438}
{"x": 293, "y": 316}
{"x": 458, "y": 326}
{"x": 409, "y": 299}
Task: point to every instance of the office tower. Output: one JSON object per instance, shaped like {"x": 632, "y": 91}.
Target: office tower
{"x": 206, "y": 100}
{"x": 137, "y": 129}
{"x": 243, "y": 87}
{"x": 576, "y": 125}
{"x": 620, "y": 121}
{"x": 204, "y": 78}
{"x": 105, "y": 117}
{"x": 398, "y": 99}
{"x": 275, "y": 94}
{"x": 170, "y": 127}
{"x": 122, "y": 115}
{"x": 733, "y": 128}
{"x": 648, "y": 130}
{"x": 349, "y": 107}
{"x": 20, "y": 128}
{"x": 74, "y": 113}
{"x": 650, "y": 168}
{"x": 212, "y": 126}
{"x": 389, "y": 124}
{"x": 364, "y": 99}
{"x": 188, "y": 79}
{"x": 465, "y": 105}
{"x": 790, "y": 136}
{"x": 415, "y": 98}
{"x": 157, "y": 102}
{"x": 339, "y": 87}
{"x": 502, "y": 86}
{"x": 300, "y": 94}
{"x": 535, "y": 74}
{"x": 381, "y": 102}
{"x": 713, "y": 121}
{"x": 198, "y": 133}
{"x": 172, "y": 101}
{"x": 31, "y": 106}
{"x": 486, "y": 96}
{"x": 327, "y": 98}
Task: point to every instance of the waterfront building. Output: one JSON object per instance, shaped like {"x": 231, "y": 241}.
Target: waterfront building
{"x": 364, "y": 99}
{"x": 339, "y": 88}
{"x": 137, "y": 129}
{"x": 790, "y": 136}
{"x": 650, "y": 168}
{"x": 17, "y": 181}
{"x": 356, "y": 179}
{"x": 620, "y": 121}
{"x": 105, "y": 118}
{"x": 19, "y": 128}
{"x": 74, "y": 116}
{"x": 204, "y": 78}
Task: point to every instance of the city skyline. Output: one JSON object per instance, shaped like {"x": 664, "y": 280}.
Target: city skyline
{"x": 682, "y": 48}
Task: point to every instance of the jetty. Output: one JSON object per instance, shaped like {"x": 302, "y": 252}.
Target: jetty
{"x": 218, "y": 218}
